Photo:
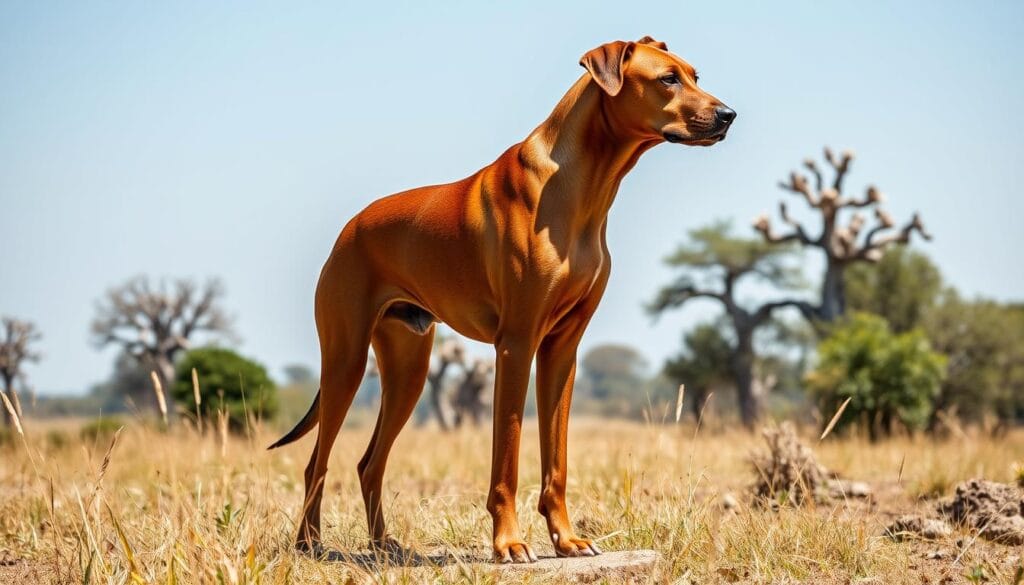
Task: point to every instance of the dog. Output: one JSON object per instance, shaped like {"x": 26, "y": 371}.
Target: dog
{"x": 514, "y": 255}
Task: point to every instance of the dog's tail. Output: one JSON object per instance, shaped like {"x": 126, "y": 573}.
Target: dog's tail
{"x": 305, "y": 425}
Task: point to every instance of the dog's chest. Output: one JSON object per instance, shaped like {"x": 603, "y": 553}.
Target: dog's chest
{"x": 569, "y": 277}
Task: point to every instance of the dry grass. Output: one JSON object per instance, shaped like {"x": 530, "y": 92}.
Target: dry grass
{"x": 180, "y": 508}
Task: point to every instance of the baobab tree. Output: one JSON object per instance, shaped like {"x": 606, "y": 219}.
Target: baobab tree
{"x": 840, "y": 244}
{"x": 16, "y": 340}
{"x": 155, "y": 324}
{"x": 714, "y": 263}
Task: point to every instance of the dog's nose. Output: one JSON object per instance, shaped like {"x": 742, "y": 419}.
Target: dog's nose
{"x": 725, "y": 114}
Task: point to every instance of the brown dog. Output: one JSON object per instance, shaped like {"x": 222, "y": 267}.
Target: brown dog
{"x": 513, "y": 255}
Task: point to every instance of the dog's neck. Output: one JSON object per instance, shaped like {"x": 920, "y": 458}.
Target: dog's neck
{"x": 580, "y": 155}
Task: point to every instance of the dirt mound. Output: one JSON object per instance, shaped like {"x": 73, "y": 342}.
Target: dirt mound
{"x": 788, "y": 470}
{"x": 995, "y": 510}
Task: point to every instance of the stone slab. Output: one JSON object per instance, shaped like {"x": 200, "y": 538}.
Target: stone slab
{"x": 632, "y": 566}
{"x": 628, "y": 566}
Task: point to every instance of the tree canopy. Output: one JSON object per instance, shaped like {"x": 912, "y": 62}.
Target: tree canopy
{"x": 902, "y": 287}
{"x": 713, "y": 263}
{"x": 227, "y": 380}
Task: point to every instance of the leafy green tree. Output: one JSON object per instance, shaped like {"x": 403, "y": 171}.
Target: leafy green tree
{"x": 713, "y": 264}
{"x": 888, "y": 377}
{"x": 902, "y": 287}
{"x": 703, "y": 363}
{"x": 984, "y": 341}
{"x": 227, "y": 380}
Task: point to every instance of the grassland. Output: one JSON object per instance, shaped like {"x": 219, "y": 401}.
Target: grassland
{"x": 180, "y": 507}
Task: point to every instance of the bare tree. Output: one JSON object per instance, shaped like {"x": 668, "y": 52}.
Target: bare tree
{"x": 468, "y": 401}
{"x": 15, "y": 351}
{"x": 449, "y": 352}
{"x": 841, "y": 244}
{"x": 154, "y": 325}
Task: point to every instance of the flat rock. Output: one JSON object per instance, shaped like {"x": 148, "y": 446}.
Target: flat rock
{"x": 918, "y": 526}
{"x": 633, "y": 566}
{"x": 628, "y": 566}
{"x": 839, "y": 488}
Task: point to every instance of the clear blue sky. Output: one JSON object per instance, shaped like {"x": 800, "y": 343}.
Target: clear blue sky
{"x": 235, "y": 139}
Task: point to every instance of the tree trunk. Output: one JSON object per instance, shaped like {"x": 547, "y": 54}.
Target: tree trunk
{"x": 873, "y": 416}
{"x": 434, "y": 381}
{"x": 742, "y": 364}
{"x": 698, "y": 397}
{"x": 833, "y": 294}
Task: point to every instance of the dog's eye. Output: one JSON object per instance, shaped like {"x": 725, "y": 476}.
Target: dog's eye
{"x": 670, "y": 79}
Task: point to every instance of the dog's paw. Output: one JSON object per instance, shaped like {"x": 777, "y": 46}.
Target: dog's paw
{"x": 514, "y": 552}
{"x": 572, "y": 546}
{"x": 392, "y": 549}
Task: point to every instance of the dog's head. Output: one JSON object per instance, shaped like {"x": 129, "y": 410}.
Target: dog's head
{"x": 654, "y": 93}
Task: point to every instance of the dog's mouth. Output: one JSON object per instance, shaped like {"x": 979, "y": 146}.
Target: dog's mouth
{"x": 708, "y": 139}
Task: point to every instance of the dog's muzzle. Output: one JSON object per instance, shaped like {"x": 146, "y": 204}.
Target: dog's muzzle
{"x": 723, "y": 120}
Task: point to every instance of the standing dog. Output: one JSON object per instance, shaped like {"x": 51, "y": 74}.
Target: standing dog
{"x": 514, "y": 255}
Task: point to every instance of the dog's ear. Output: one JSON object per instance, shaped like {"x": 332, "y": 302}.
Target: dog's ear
{"x": 647, "y": 40}
{"x": 606, "y": 64}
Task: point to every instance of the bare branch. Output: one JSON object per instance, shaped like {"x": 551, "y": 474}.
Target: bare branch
{"x": 16, "y": 340}
{"x": 681, "y": 292}
{"x": 799, "y": 229}
{"x": 871, "y": 197}
{"x": 840, "y": 164}
{"x": 763, "y": 225}
{"x": 765, "y": 311}
{"x": 884, "y": 218}
{"x": 873, "y": 249}
{"x": 813, "y": 167}
{"x": 798, "y": 184}
{"x": 152, "y": 322}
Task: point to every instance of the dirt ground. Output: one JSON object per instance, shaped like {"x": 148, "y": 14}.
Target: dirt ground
{"x": 182, "y": 508}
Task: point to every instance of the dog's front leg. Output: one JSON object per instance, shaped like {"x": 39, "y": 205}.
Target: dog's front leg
{"x": 556, "y": 370}
{"x": 511, "y": 380}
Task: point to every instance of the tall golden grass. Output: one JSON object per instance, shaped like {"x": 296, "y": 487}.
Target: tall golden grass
{"x": 152, "y": 505}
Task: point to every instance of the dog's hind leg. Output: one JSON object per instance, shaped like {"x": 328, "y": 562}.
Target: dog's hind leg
{"x": 344, "y": 343}
{"x": 403, "y": 358}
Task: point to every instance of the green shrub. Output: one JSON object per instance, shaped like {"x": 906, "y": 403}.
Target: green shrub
{"x": 101, "y": 429}
{"x": 240, "y": 385}
{"x": 888, "y": 378}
